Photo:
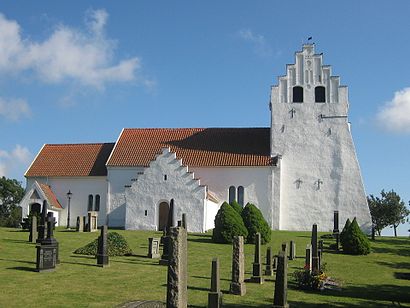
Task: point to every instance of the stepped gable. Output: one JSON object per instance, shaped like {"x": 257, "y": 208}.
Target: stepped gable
{"x": 71, "y": 160}
{"x": 198, "y": 147}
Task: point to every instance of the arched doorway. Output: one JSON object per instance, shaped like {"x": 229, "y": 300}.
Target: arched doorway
{"x": 163, "y": 215}
{"x": 35, "y": 207}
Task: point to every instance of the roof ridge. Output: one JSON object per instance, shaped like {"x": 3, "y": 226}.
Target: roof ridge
{"x": 72, "y": 144}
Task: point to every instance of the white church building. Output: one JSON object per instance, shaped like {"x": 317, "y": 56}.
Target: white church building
{"x": 297, "y": 172}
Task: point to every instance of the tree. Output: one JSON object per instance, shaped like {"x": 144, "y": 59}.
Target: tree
{"x": 389, "y": 210}
{"x": 255, "y": 222}
{"x": 11, "y": 194}
{"x": 378, "y": 211}
{"x": 355, "y": 242}
{"x": 228, "y": 223}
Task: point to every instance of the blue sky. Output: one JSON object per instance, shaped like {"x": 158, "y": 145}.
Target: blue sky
{"x": 80, "y": 71}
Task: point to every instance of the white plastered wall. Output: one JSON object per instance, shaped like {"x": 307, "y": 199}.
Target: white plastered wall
{"x": 319, "y": 168}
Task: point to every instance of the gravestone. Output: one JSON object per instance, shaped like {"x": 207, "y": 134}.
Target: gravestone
{"x": 257, "y": 265}
{"x": 102, "y": 250}
{"x": 320, "y": 245}
{"x": 336, "y": 233}
{"x": 47, "y": 249}
{"x": 153, "y": 247}
{"x": 215, "y": 296}
{"x": 33, "y": 230}
{"x": 308, "y": 257}
{"x": 292, "y": 251}
{"x": 184, "y": 222}
{"x": 80, "y": 224}
{"x": 170, "y": 222}
{"x": 315, "y": 257}
{"x": 42, "y": 225}
{"x": 281, "y": 282}
{"x": 92, "y": 221}
{"x": 275, "y": 263}
{"x": 237, "y": 285}
{"x": 269, "y": 267}
{"x": 165, "y": 250}
{"x": 177, "y": 295}
{"x": 319, "y": 258}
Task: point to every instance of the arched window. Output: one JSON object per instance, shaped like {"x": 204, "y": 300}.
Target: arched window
{"x": 241, "y": 191}
{"x": 297, "y": 94}
{"x": 90, "y": 203}
{"x": 97, "y": 203}
{"x": 320, "y": 94}
{"x": 232, "y": 193}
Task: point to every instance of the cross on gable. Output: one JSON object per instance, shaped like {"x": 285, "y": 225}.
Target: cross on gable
{"x": 319, "y": 182}
{"x": 292, "y": 113}
{"x": 298, "y": 183}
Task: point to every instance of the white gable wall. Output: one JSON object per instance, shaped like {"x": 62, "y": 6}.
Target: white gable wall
{"x": 80, "y": 188}
{"x": 165, "y": 179}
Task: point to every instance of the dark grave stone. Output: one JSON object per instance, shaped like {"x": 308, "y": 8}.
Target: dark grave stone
{"x": 215, "y": 296}
{"x": 177, "y": 295}
{"x": 308, "y": 257}
{"x": 336, "y": 222}
{"x": 281, "y": 282}
{"x": 315, "y": 257}
{"x": 33, "y": 230}
{"x": 237, "y": 286}
{"x": 85, "y": 226}
{"x": 153, "y": 247}
{"x": 292, "y": 250}
{"x": 184, "y": 221}
{"x": 285, "y": 248}
{"x": 102, "y": 250}
{"x": 179, "y": 223}
{"x": 42, "y": 225}
{"x": 47, "y": 249}
{"x": 275, "y": 263}
{"x": 257, "y": 265}
{"x": 269, "y": 266}
{"x": 320, "y": 245}
{"x": 165, "y": 250}
{"x": 320, "y": 259}
{"x": 170, "y": 222}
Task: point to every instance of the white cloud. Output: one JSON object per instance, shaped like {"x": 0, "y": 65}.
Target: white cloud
{"x": 13, "y": 163}
{"x": 14, "y": 109}
{"x": 85, "y": 56}
{"x": 258, "y": 42}
{"x": 395, "y": 114}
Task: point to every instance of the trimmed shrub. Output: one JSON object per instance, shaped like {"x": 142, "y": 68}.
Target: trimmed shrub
{"x": 228, "y": 223}
{"x": 343, "y": 233}
{"x": 236, "y": 207}
{"x": 255, "y": 222}
{"x": 117, "y": 246}
{"x": 355, "y": 241}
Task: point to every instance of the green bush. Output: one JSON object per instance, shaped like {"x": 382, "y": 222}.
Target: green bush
{"x": 26, "y": 223}
{"x": 236, "y": 207}
{"x": 343, "y": 233}
{"x": 255, "y": 222}
{"x": 117, "y": 246}
{"x": 355, "y": 241}
{"x": 228, "y": 223}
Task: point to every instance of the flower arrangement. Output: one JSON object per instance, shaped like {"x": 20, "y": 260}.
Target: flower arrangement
{"x": 314, "y": 280}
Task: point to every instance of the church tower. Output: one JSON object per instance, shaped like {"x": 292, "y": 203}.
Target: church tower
{"x": 318, "y": 171}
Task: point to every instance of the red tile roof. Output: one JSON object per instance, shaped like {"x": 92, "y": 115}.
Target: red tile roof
{"x": 71, "y": 160}
{"x": 51, "y": 197}
{"x": 198, "y": 147}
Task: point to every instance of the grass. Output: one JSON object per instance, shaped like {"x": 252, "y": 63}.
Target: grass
{"x": 380, "y": 279}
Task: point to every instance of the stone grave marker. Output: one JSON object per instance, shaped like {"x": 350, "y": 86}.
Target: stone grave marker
{"x": 315, "y": 257}
{"x": 177, "y": 295}
{"x": 320, "y": 245}
{"x": 308, "y": 257}
{"x": 184, "y": 221}
{"x": 92, "y": 221}
{"x": 237, "y": 285}
{"x": 102, "y": 250}
{"x": 80, "y": 224}
{"x": 292, "y": 250}
{"x": 165, "y": 250}
{"x": 153, "y": 248}
{"x": 275, "y": 263}
{"x": 47, "y": 249}
{"x": 33, "y": 230}
{"x": 269, "y": 266}
{"x": 281, "y": 282}
{"x": 257, "y": 265}
{"x": 215, "y": 296}
{"x": 42, "y": 225}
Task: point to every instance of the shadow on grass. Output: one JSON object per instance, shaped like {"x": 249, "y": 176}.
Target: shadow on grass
{"x": 401, "y": 265}
{"x": 404, "y": 276}
{"x": 79, "y": 263}
{"x": 396, "y": 251}
{"x": 201, "y": 240}
{"x": 22, "y": 268}
{"x": 19, "y": 261}
{"x": 17, "y": 241}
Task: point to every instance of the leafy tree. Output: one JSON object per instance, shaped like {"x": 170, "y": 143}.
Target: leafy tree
{"x": 228, "y": 223}
{"x": 344, "y": 231}
{"x": 255, "y": 222}
{"x": 355, "y": 241}
{"x": 379, "y": 213}
{"x": 11, "y": 194}
{"x": 236, "y": 206}
{"x": 389, "y": 210}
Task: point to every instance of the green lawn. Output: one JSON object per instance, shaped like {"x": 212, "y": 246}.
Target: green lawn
{"x": 376, "y": 280}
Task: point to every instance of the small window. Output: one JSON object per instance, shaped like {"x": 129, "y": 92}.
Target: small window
{"x": 97, "y": 203}
{"x": 90, "y": 202}
{"x": 320, "y": 94}
{"x": 241, "y": 191}
{"x": 232, "y": 194}
{"x": 146, "y": 213}
{"x": 297, "y": 94}
{"x": 165, "y": 177}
